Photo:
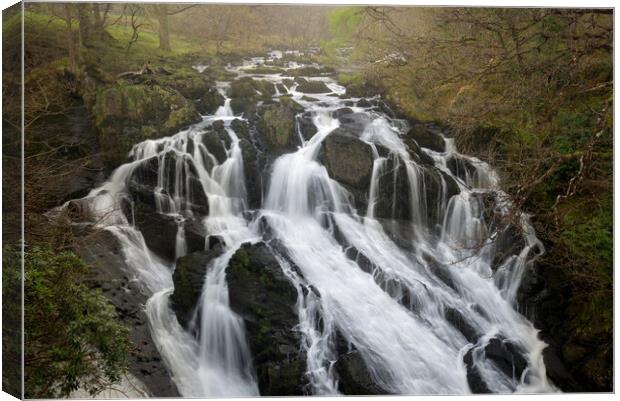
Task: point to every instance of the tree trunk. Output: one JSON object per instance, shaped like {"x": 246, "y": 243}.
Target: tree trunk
{"x": 164, "y": 30}
{"x": 71, "y": 42}
{"x": 86, "y": 26}
{"x": 98, "y": 21}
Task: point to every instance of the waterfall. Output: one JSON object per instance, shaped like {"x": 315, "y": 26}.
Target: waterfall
{"x": 415, "y": 312}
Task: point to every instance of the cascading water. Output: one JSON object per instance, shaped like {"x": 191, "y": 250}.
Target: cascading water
{"x": 415, "y": 312}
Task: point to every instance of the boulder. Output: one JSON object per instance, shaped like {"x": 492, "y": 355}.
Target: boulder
{"x": 251, "y": 171}
{"x": 476, "y": 383}
{"x": 246, "y": 92}
{"x": 502, "y": 353}
{"x": 305, "y": 125}
{"x": 354, "y": 376}
{"x": 306, "y": 86}
{"x": 341, "y": 112}
{"x": 353, "y": 124}
{"x": 210, "y": 101}
{"x": 188, "y": 278}
{"x": 348, "y": 160}
{"x": 506, "y": 356}
{"x": 393, "y": 194}
{"x": 263, "y": 296}
{"x": 241, "y": 128}
{"x": 459, "y": 322}
{"x": 427, "y": 137}
{"x": 277, "y": 125}
{"x": 217, "y": 141}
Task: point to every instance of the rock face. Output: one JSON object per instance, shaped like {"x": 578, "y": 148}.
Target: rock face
{"x": 247, "y": 92}
{"x": 160, "y": 230}
{"x": 127, "y": 114}
{"x": 277, "y": 125}
{"x": 427, "y": 137}
{"x": 265, "y": 299}
{"x": 210, "y": 101}
{"x": 188, "y": 278}
{"x": 502, "y": 353}
{"x": 354, "y": 377}
{"x": 348, "y": 160}
{"x": 109, "y": 273}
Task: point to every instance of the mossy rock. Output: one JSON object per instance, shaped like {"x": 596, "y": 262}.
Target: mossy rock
{"x": 210, "y": 101}
{"x": 348, "y": 160}
{"x": 262, "y": 295}
{"x": 127, "y": 114}
{"x": 247, "y": 92}
{"x": 307, "y": 86}
{"x": 188, "y": 279}
{"x": 277, "y": 124}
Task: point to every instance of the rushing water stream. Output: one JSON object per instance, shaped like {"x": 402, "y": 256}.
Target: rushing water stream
{"x": 394, "y": 310}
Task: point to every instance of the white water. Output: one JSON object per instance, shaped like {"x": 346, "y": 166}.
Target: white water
{"x": 394, "y": 315}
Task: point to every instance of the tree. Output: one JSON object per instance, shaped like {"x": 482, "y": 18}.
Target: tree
{"x": 72, "y": 336}
{"x": 162, "y": 13}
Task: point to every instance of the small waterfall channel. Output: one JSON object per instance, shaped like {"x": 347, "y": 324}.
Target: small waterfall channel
{"x": 428, "y": 301}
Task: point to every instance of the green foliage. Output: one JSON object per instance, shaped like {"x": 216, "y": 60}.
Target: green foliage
{"x": 344, "y": 21}
{"x": 72, "y": 335}
{"x": 589, "y": 236}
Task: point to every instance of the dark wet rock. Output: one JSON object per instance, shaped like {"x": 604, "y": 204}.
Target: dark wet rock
{"x": 217, "y": 141}
{"x": 559, "y": 373}
{"x": 393, "y": 194}
{"x": 364, "y": 103}
{"x": 159, "y": 231}
{"x": 143, "y": 181}
{"x": 309, "y": 99}
{"x": 461, "y": 168}
{"x": 427, "y": 137}
{"x": 459, "y": 322}
{"x": 477, "y": 385}
{"x": 277, "y": 125}
{"x": 401, "y": 232}
{"x": 188, "y": 277}
{"x": 348, "y": 160}
{"x": 440, "y": 187}
{"x": 502, "y": 353}
{"x": 354, "y": 376}
{"x": 265, "y": 299}
{"x": 307, "y": 86}
{"x": 506, "y": 356}
{"x": 439, "y": 271}
{"x": 353, "y": 124}
{"x": 251, "y": 170}
{"x": 416, "y": 153}
{"x": 341, "y": 112}
{"x": 108, "y": 271}
{"x": 305, "y": 125}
